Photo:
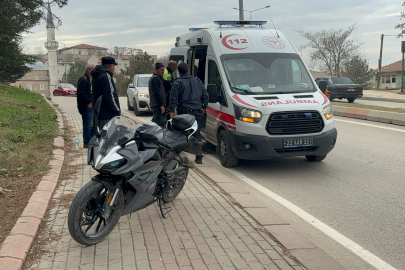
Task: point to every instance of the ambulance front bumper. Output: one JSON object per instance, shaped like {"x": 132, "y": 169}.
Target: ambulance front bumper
{"x": 254, "y": 147}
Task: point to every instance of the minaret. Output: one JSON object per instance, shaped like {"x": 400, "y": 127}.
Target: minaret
{"x": 51, "y": 45}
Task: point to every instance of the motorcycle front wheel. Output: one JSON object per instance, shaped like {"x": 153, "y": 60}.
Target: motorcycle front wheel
{"x": 177, "y": 184}
{"x": 90, "y": 219}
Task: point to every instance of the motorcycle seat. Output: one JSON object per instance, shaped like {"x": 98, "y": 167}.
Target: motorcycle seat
{"x": 182, "y": 122}
{"x": 176, "y": 139}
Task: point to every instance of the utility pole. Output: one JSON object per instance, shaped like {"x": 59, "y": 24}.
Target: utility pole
{"x": 380, "y": 62}
{"x": 402, "y": 73}
{"x": 241, "y": 16}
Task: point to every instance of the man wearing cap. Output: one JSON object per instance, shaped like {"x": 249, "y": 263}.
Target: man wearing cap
{"x": 103, "y": 85}
{"x": 157, "y": 95}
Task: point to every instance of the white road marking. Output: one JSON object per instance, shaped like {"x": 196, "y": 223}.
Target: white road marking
{"x": 370, "y": 125}
{"x": 338, "y": 237}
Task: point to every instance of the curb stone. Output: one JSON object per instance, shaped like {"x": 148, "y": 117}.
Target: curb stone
{"x": 16, "y": 246}
{"x": 370, "y": 115}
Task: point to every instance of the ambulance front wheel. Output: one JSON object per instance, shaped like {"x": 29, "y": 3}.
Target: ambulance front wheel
{"x": 226, "y": 155}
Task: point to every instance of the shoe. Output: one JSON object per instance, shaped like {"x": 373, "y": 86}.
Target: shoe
{"x": 198, "y": 159}
{"x": 85, "y": 146}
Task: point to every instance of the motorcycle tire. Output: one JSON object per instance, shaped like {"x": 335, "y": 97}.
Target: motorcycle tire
{"x": 180, "y": 180}
{"x": 86, "y": 214}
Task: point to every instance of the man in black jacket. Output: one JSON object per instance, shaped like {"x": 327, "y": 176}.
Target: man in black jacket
{"x": 157, "y": 95}
{"x": 103, "y": 85}
{"x": 190, "y": 96}
{"x": 85, "y": 104}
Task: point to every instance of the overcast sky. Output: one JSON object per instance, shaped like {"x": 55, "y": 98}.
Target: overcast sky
{"x": 153, "y": 25}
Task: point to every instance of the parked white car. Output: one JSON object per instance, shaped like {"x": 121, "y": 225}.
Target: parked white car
{"x": 138, "y": 94}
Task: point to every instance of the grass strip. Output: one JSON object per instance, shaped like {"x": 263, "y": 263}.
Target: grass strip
{"x": 27, "y": 129}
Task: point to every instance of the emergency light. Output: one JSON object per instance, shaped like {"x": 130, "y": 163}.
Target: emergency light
{"x": 239, "y": 23}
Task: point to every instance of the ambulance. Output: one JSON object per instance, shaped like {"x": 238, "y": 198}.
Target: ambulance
{"x": 263, "y": 102}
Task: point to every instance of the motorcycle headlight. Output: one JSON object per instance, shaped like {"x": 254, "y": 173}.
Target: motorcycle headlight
{"x": 114, "y": 164}
{"x": 142, "y": 95}
{"x": 328, "y": 112}
{"x": 247, "y": 115}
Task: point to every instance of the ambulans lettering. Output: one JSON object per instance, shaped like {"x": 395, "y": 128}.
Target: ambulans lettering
{"x": 234, "y": 42}
{"x": 289, "y": 102}
{"x": 274, "y": 42}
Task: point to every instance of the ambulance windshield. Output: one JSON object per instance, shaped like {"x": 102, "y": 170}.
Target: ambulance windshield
{"x": 266, "y": 73}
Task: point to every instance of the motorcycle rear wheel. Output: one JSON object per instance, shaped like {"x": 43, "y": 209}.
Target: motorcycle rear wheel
{"x": 88, "y": 219}
{"x": 176, "y": 186}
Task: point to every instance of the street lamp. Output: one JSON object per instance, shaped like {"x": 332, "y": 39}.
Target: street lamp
{"x": 64, "y": 64}
{"x": 252, "y": 10}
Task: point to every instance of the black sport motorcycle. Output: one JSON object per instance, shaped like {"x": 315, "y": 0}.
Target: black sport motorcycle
{"x": 138, "y": 165}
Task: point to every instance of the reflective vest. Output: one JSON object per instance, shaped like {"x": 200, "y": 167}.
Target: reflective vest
{"x": 167, "y": 76}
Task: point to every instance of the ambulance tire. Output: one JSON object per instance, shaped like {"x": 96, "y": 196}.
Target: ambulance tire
{"x": 226, "y": 155}
{"x": 315, "y": 158}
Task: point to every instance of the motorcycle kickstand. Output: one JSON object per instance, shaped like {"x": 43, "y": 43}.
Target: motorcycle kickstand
{"x": 161, "y": 208}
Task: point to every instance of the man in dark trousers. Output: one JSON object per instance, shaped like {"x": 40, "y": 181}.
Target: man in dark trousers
{"x": 103, "y": 85}
{"x": 157, "y": 95}
{"x": 85, "y": 104}
{"x": 190, "y": 96}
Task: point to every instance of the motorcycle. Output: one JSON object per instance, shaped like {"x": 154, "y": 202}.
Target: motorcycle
{"x": 138, "y": 165}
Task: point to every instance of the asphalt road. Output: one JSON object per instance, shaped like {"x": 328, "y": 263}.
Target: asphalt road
{"x": 358, "y": 190}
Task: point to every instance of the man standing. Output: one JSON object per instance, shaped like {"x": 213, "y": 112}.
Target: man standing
{"x": 85, "y": 105}
{"x": 157, "y": 94}
{"x": 103, "y": 85}
{"x": 190, "y": 96}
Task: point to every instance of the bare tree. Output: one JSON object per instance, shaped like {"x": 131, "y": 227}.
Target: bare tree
{"x": 401, "y": 26}
{"x": 164, "y": 59}
{"x": 330, "y": 49}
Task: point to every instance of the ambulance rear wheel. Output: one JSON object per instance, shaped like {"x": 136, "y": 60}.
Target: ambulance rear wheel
{"x": 226, "y": 155}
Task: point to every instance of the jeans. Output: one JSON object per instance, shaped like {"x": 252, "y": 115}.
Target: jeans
{"x": 89, "y": 129}
{"x": 158, "y": 116}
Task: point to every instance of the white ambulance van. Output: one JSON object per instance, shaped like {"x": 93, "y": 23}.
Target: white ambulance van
{"x": 263, "y": 102}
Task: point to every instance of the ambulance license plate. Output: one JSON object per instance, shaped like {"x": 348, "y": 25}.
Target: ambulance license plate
{"x": 298, "y": 143}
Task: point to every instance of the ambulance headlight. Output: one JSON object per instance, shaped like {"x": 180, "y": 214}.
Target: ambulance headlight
{"x": 328, "y": 112}
{"x": 247, "y": 115}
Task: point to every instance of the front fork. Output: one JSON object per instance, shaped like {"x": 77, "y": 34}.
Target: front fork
{"x": 113, "y": 191}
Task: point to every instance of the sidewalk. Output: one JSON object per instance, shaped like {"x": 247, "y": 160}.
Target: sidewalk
{"x": 204, "y": 230}
{"x": 389, "y": 95}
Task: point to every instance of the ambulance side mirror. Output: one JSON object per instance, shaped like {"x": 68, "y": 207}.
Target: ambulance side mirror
{"x": 323, "y": 85}
{"x": 212, "y": 93}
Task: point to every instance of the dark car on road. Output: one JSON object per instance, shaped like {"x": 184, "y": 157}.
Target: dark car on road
{"x": 340, "y": 87}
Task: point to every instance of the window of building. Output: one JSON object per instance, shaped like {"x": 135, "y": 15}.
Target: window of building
{"x": 41, "y": 86}
{"x": 393, "y": 78}
{"x": 36, "y": 77}
{"x": 29, "y": 86}
{"x": 80, "y": 52}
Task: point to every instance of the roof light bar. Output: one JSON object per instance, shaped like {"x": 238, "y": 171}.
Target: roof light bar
{"x": 238, "y": 23}
{"x": 196, "y": 29}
